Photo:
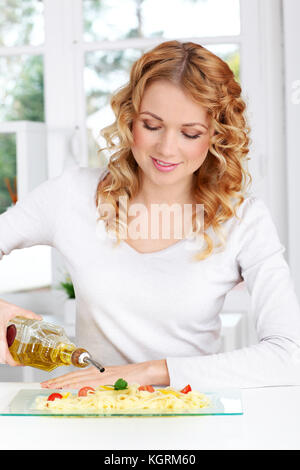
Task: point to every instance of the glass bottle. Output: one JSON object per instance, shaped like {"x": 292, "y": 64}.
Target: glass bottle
{"x": 45, "y": 346}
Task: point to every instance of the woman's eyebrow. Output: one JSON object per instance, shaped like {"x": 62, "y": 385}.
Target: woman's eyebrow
{"x": 187, "y": 124}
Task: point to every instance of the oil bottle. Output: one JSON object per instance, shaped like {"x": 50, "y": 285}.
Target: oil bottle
{"x": 45, "y": 346}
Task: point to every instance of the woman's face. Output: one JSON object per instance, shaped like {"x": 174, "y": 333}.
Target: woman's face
{"x": 170, "y": 129}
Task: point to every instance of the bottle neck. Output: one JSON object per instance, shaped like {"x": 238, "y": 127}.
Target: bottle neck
{"x": 79, "y": 357}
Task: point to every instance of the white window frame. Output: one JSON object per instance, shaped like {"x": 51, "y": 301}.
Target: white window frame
{"x": 31, "y": 158}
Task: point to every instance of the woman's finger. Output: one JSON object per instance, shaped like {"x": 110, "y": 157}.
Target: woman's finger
{"x": 91, "y": 376}
{"x": 10, "y": 360}
{"x": 69, "y": 377}
{"x": 30, "y": 315}
{"x": 78, "y": 385}
{"x": 75, "y": 373}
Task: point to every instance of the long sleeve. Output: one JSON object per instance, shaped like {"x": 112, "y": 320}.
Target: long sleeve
{"x": 275, "y": 360}
{"x": 33, "y": 220}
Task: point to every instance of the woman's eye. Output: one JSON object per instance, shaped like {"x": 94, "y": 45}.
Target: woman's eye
{"x": 146, "y": 126}
{"x": 192, "y": 136}
{"x": 150, "y": 128}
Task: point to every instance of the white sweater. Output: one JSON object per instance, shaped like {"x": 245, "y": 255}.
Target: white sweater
{"x": 134, "y": 307}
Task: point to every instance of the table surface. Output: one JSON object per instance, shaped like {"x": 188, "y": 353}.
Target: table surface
{"x": 271, "y": 420}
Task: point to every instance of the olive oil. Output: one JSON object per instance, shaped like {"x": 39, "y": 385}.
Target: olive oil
{"x": 44, "y": 346}
{"x": 43, "y": 357}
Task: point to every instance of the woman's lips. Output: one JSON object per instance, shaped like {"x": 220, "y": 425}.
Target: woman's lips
{"x": 166, "y": 167}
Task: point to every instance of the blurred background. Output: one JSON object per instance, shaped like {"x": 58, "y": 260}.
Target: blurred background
{"x": 60, "y": 61}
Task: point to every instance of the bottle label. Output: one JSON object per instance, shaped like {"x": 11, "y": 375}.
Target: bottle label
{"x": 11, "y": 333}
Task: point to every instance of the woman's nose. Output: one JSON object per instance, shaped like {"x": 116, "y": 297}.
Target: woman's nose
{"x": 167, "y": 146}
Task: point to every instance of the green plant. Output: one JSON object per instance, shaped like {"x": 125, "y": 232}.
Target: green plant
{"x": 68, "y": 287}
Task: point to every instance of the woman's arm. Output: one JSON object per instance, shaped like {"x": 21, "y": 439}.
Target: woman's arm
{"x": 32, "y": 221}
{"x": 143, "y": 373}
{"x": 275, "y": 360}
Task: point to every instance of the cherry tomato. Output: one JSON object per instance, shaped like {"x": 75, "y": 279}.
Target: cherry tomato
{"x": 53, "y": 396}
{"x": 186, "y": 389}
{"x": 147, "y": 388}
{"x": 83, "y": 392}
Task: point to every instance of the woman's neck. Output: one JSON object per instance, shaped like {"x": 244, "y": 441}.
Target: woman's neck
{"x": 151, "y": 193}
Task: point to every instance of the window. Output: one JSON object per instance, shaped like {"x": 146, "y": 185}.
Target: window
{"x": 108, "y": 54}
{"x": 22, "y": 99}
{"x": 8, "y": 171}
{"x": 21, "y": 80}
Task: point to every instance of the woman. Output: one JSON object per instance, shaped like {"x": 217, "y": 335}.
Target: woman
{"x": 148, "y": 306}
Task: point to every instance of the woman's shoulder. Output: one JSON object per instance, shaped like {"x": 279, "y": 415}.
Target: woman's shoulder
{"x": 252, "y": 207}
{"x": 77, "y": 180}
{"x": 252, "y": 214}
{"x": 85, "y": 175}
{"x": 71, "y": 184}
{"x": 255, "y": 224}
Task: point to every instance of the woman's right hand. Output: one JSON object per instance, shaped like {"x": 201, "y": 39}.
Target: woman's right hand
{"x": 7, "y": 312}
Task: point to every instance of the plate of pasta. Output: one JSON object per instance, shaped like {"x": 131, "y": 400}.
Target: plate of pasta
{"x": 122, "y": 399}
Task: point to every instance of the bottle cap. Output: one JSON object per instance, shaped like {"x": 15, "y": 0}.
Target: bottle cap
{"x": 76, "y": 357}
{"x": 11, "y": 333}
{"x": 81, "y": 358}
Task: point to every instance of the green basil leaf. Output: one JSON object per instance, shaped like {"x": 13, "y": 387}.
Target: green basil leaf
{"x": 120, "y": 384}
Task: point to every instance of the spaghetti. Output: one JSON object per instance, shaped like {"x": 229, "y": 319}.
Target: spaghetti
{"x": 107, "y": 398}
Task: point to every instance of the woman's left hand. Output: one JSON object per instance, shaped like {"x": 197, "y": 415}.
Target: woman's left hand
{"x": 143, "y": 373}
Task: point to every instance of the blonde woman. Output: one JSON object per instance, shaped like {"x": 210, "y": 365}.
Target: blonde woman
{"x": 150, "y": 288}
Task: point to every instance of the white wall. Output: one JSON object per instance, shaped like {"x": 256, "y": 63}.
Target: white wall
{"x": 291, "y": 18}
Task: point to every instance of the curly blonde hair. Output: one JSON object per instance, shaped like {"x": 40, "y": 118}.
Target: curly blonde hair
{"x": 223, "y": 174}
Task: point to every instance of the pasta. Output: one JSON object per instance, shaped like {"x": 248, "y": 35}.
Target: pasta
{"x": 106, "y": 398}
